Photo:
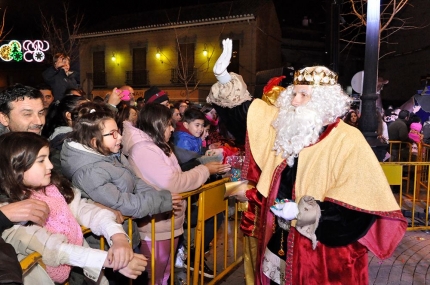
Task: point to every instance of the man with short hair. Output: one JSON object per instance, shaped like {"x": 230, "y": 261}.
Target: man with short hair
{"x": 46, "y": 91}
{"x": 21, "y": 109}
{"x": 140, "y": 103}
{"x": 398, "y": 131}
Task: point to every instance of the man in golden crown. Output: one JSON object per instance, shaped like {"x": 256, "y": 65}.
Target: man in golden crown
{"x": 318, "y": 199}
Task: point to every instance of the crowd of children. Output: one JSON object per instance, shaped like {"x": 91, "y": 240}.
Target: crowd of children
{"x": 111, "y": 162}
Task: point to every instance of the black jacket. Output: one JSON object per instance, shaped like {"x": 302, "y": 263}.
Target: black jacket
{"x": 10, "y": 269}
{"x": 59, "y": 81}
{"x": 235, "y": 120}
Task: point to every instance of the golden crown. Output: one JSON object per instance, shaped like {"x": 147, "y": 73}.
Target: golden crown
{"x": 315, "y": 75}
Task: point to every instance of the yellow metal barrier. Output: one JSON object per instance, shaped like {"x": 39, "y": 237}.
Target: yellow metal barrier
{"x": 102, "y": 239}
{"x": 400, "y": 151}
{"x": 35, "y": 258}
{"x": 424, "y": 149}
{"x": 30, "y": 261}
{"x": 414, "y": 202}
{"x": 394, "y": 174}
{"x": 211, "y": 202}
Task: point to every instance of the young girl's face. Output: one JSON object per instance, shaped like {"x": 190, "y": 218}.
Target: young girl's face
{"x": 205, "y": 132}
{"x": 39, "y": 174}
{"x": 212, "y": 114}
{"x": 111, "y": 136}
{"x": 176, "y": 117}
{"x": 133, "y": 117}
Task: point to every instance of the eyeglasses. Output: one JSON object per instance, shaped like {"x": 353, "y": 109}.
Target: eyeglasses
{"x": 113, "y": 133}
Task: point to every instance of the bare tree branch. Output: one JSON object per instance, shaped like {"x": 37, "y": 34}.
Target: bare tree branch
{"x": 353, "y": 31}
{"x": 3, "y": 34}
{"x": 187, "y": 75}
{"x": 61, "y": 31}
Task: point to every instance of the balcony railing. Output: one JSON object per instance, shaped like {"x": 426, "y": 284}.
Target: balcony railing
{"x": 137, "y": 78}
{"x": 98, "y": 78}
{"x": 179, "y": 76}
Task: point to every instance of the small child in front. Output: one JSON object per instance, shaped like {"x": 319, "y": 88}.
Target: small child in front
{"x": 26, "y": 172}
{"x": 188, "y": 132}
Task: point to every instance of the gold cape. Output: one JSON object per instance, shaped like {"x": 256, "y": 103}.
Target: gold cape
{"x": 341, "y": 166}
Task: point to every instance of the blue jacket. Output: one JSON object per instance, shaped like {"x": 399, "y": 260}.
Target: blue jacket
{"x": 183, "y": 139}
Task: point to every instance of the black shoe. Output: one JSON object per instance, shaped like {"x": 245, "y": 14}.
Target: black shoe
{"x": 209, "y": 273}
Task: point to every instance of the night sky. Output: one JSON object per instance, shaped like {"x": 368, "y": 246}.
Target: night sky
{"x": 23, "y": 17}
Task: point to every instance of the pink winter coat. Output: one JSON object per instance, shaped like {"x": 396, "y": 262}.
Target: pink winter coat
{"x": 152, "y": 165}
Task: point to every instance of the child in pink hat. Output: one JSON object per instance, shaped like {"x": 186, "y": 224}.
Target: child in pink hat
{"x": 416, "y": 136}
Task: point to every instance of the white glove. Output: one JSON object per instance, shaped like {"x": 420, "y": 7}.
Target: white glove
{"x": 220, "y": 67}
{"x": 286, "y": 209}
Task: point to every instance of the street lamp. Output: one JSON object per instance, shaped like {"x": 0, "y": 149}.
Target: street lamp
{"x": 205, "y": 51}
{"x": 368, "y": 123}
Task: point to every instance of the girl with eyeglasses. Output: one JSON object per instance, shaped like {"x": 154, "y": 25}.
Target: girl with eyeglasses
{"x": 92, "y": 160}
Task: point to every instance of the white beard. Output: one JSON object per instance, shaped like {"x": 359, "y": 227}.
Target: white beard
{"x": 296, "y": 128}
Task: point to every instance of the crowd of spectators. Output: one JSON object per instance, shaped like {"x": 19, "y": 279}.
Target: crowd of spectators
{"x": 77, "y": 147}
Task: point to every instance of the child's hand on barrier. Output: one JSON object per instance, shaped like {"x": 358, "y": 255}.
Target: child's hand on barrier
{"x": 217, "y": 167}
{"x": 135, "y": 267}
{"x": 176, "y": 202}
{"x": 120, "y": 253}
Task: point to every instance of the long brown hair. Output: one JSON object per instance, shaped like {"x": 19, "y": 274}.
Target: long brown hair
{"x": 18, "y": 153}
{"x": 153, "y": 120}
{"x": 348, "y": 119}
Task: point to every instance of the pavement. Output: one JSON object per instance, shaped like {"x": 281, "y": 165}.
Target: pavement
{"x": 409, "y": 265}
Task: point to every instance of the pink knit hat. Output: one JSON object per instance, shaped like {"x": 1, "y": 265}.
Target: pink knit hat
{"x": 416, "y": 126}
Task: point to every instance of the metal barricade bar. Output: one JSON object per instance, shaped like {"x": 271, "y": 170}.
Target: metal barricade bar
{"x": 414, "y": 204}
{"x": 211, "y": 202}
